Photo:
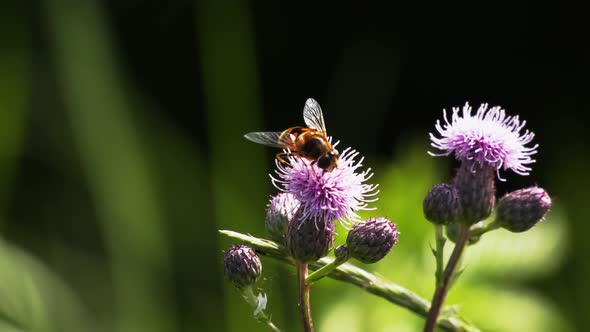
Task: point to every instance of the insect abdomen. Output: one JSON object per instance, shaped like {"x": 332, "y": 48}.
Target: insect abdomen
{"x": 314, "y": 147}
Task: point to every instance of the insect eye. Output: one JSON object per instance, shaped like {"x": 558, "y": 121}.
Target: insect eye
{"x": 324, "y": 162}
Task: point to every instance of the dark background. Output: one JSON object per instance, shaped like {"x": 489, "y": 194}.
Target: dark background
{"x": 121, "y": 148}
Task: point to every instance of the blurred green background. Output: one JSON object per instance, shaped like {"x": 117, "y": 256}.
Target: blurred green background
{"x": 121, "y": 154}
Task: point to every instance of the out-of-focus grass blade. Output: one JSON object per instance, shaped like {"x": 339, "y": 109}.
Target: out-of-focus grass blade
{"x": 15, "y": 60}
{"x": 32, "y": 298}
{"x": 114, "y": 163}
{"x": 239, "y": 180}
{"x": 185, "y": 193}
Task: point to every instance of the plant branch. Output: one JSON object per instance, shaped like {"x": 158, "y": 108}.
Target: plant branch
{"x": 439, "y": 254}
{"x": 356, "y": 276}
{"x": 325, "y": 270}
{"x": 442, "y": 287}
{"x": 487, "y": 228}
{"x": 304, "y": 305}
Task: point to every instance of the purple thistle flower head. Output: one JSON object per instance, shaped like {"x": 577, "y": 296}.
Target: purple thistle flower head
{"x": 327, "y": 196}
{"x": 488, "y": 138}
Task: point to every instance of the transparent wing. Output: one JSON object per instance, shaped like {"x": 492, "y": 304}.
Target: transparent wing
{"x": 312, "y": 115}
{"x": 270, "y": 138}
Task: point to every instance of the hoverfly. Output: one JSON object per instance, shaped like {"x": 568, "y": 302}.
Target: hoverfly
{"x": 309, "y": 142}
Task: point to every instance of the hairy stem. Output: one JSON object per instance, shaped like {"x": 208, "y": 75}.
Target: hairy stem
{"x": 442, "y": 287}
{"x": 358, "y": 277}
{"x": 304, "y": 305}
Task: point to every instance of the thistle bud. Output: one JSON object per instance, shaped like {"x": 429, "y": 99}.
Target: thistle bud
{"x": 522, "y": 209}
{"x": 281, "y": 209}
{"x": 442, "y": 205}
{"x": 241, "y": 265}
{"x": 341, "y": 253}
{"x": 308, "y": 240}
{"x": 475, "y": 185}
{"x": 371, "y": 240}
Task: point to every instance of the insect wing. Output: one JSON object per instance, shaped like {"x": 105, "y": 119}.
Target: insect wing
{"x": 313, "y": 117}
{"x": 269, "y": 138}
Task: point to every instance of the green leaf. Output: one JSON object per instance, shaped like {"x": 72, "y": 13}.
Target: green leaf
{"x": 32, "y": 298}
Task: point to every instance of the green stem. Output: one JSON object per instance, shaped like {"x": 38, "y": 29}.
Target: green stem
{"x": 439, "y": 255}
{"x": 489, "y": 227}
{"x": 248, "y": 295}
{"x": 325, "y": 270}
{"x": 443, "y": 287}
{"x": 304, "y": 304}
{"x": 358, "y": 277}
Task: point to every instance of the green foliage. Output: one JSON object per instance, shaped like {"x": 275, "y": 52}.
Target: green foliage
{"x": 33, "y": 298}
{"x": 123, "y": 236}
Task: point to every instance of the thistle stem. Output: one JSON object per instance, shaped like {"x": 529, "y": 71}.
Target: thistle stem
{"x": 439, "y": 255}
{"x": 360, "y": 278}
{"x": 325, "y": 270}
{"x": 304, "y": 305}
{"x": 442, "y": 287}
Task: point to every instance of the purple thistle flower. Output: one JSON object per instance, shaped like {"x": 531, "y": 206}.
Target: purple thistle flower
{"x": 488, "y": 138}
{"x": 327, "y": 196}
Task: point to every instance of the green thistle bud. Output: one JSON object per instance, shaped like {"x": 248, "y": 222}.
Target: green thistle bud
{"x": 522, "y": 209}
{"x": 476, "y": 188}
{"x": 281, "y": 209}
{"x": 241, "y": 265}
{"x": 442, "y": 205}
{"x": 308, "y": 240}
{"x": 371, "y": 240}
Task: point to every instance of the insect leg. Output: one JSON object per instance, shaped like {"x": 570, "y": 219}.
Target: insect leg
{"x": 282, "y": 157}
